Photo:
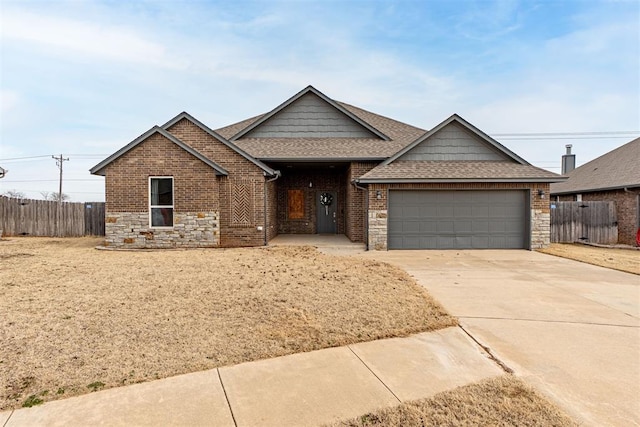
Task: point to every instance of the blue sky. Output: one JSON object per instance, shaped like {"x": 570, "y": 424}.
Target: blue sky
{"x": 84, "y": 78}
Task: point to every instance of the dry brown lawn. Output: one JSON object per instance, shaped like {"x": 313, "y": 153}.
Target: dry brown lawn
{"x": 500, "y": 401}
{"x": 75, "y": 319}
{"x": 619, "y": 259}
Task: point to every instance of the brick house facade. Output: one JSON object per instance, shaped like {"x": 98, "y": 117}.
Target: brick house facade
{"x": 311, "y": 165}
{"x": 612, "y": 177}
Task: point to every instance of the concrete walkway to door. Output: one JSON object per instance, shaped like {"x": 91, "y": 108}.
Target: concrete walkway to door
{"x": 570, "y": 329}
{"x": 335, "y": 244}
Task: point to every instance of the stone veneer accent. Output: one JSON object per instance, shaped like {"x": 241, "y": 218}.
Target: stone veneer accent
{"x": 378, "y": 230}
{"x": 190, "y": 229}
{"x": 540, "y": 229}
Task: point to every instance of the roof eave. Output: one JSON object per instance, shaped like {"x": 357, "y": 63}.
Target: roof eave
{"x": 99, "y": 169}
{"x": 594, "y": 190}
{"x": 453, "y": 180}
{"x": 321, "y": 159}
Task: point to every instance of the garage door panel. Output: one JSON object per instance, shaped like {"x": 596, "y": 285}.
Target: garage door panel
{"x": 457, "y": 219}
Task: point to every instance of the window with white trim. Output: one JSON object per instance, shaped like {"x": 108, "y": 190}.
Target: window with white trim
{"x": 161, "y": 201}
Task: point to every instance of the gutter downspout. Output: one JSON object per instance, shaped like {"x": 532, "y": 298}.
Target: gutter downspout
{"x": 366, "y": 217}
{"x": 276, "y": 175}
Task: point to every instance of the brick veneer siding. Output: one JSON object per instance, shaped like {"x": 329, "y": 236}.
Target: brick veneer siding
{"x": 355, "y": 206}
{"x": 196, "y": 204}
{"x": 243, "y": 176}
{"x": 272, "y": 210}
{"x": 233, "y": 205}
{"x": 626, "y": 204}
{"x": 539, "y": 208}
{"x": 321, "y": 180}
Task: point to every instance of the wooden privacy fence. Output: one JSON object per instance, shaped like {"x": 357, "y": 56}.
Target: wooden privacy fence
{"x": 24, "y": 217}
{"x": 594, "y": 222}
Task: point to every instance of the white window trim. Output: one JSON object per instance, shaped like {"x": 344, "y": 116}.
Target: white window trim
{"x": 173, "y": 197}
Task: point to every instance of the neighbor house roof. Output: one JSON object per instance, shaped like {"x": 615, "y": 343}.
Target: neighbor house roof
{"x": 619, "y": 168}
{"x": 457, "y": 171}
{"x": 99, "y": 168}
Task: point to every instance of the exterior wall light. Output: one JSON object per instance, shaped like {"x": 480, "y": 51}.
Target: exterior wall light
{"x": 541, "y": 194}
{"x": 378, "y": 194}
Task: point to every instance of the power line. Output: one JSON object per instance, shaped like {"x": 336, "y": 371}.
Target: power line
{"x": 55, "y": 180}
{"x": 615, "y": 132}
{"x": 562, "y": 137}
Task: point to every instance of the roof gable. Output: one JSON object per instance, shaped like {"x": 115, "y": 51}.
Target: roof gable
{"x": 310, "y": 114}
{"x": 100, "y": 167}
{"x": 184, "y": 115}
{"x": 454, "y": 143}
{"x": 614, "y": 170}
{"x": 455, "y": 139}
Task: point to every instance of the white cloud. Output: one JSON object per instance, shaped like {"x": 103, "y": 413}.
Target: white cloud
{"x": 8, "y": 100}
{"x": 88, "y": 39}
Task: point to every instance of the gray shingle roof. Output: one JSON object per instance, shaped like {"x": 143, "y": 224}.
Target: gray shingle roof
{"x": 618, "y": 168}
{"x": 434, "y": 171}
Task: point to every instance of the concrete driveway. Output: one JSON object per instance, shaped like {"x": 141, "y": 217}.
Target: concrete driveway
{"x": 570, "y": 329}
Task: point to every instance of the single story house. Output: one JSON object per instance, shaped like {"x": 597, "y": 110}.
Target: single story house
{"x": 316, "y": 165}
{"x": 614, "y": 176}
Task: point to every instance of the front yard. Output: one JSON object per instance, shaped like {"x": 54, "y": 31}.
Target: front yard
{"x": 74, "y": 319}
{"x": 627, "y": 260}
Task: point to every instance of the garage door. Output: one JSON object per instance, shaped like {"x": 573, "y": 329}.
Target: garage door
{"x": 474, "y": 219}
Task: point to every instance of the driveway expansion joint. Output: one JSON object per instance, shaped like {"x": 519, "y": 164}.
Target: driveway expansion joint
{"x": 374, "y": 374}
{"x": 7, "y": 421}
{"x": 487, "y": 350}
{"x": 235, "y": 423}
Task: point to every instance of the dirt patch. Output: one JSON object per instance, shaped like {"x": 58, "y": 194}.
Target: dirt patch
{"x": 74, "y": 319}
{"x": 501, "y": 401}
{"x": 619, "y": 259}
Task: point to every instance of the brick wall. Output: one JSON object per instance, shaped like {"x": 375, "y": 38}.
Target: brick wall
{"x": 539, "y": 208}
{"x": 355, "y": 208}
{"x": 127, "y": 178}
{"x": 272, "y": 210}
{"x": 321, "y": 180}
{"x": 626, "y": 208}
{"x": 241, "y": 194}
{"x": 236, "y": 201}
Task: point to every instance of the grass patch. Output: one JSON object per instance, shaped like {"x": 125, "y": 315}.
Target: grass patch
{"x": 75, "y": 314}
{"x": 627, "y": 260}
{"x": 95, "y": 386}
{"x": 500, "y": 401}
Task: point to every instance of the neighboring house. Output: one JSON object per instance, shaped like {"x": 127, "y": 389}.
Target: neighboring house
{"x": 614, "y": 176}
{"x": 315, "y": 165}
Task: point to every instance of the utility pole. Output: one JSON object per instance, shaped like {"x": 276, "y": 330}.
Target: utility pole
{"x": 59, "y": 162}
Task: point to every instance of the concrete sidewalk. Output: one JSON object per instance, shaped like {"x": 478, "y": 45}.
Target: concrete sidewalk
{"x": 297, "y": 390}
